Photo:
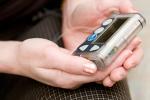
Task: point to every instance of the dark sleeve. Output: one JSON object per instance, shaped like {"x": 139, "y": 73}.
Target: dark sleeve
{"x": 15, "y": 9}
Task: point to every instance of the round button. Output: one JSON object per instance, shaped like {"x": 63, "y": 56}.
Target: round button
{"x": 92, "y": 37}
{"x": 99, "y": 30}
{"x": 107, "y": 22}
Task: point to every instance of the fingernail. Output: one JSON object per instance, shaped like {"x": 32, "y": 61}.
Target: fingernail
{"x": 129, "y": 65}
{"x": 90, "y": 68}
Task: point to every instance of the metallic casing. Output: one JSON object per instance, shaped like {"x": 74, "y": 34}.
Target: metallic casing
{"x": 117, "y": 42}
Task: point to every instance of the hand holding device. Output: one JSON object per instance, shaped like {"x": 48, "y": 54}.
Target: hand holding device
{"x": 84, "y": 17}
{"x": 44, "y": 61}
{"x": 106, "y": 43}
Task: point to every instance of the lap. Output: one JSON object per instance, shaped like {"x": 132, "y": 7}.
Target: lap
{"x": 27, "y": 89}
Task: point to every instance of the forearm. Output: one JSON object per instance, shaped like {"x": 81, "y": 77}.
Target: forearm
{"x": 8, "y": 57}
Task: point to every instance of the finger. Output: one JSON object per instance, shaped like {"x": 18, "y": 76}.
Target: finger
{"x": 61, "y": 79}
{"x": 118, "y": 74}
{"x": 108, "y": 82}
{"x": 65, "y": 51}
{"x": 134, "y": 43}
{"x": 127, "y": 7}
{"x": 120, "y": 59}
{"x": 72, "y": 41}
{"x": 69, "y": 63}
{"x": 128, "y": 10}
{"x": 135, "y": 59}
{"x": 108, "y": 12}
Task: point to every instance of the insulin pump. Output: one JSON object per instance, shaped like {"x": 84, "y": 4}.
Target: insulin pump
{"x": 114, "y": 34}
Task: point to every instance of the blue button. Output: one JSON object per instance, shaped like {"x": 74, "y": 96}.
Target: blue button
{"x": 92, "y": 37}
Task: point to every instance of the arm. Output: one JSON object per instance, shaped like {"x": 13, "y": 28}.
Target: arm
{"x": 8, "y": 51}
{"x": 38, "y": 59}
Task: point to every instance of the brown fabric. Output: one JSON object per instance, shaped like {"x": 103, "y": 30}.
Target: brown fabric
{"x": 11, "y": 10}
{"x": 26, "y": 89}
{"x": 19, "y": 88}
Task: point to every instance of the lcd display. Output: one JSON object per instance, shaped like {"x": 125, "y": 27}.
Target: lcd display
{"x": 111, "y": 30}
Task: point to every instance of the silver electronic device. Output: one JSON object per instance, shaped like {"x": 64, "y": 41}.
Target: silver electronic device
{"x": 114, "y": 34}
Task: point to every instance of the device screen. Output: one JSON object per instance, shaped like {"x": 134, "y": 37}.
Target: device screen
{"x": 111, "y": 30}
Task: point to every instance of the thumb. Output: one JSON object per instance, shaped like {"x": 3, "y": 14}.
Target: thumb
{"x": 68, "y": 63}
{"x": 127, "y": 7}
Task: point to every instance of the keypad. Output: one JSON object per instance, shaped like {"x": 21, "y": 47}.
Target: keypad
{"x": 99, "y": 30}
{"x": 107, "y": 22}
{"x": 84, "y": 47}
{"x": 92, "y": 37}
{"x": 94, "y": 48}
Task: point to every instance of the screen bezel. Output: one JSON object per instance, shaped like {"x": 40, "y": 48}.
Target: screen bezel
{"x": 120, "y": 20}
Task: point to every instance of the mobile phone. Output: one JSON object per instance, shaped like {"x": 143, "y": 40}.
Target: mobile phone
{"x": 114, "y": 34}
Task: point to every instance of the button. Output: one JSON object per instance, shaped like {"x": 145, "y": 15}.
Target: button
{"x": 95, "y": 47}
{"x": 107, "y": 22}
{"x": 84, "y": 47}
{"x": 92, "y": 37}
{"x": 99, "y": 30}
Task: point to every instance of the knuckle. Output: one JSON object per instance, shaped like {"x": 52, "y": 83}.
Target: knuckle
{"x": 126, "y": 65}
{"x": 130, "y": 65}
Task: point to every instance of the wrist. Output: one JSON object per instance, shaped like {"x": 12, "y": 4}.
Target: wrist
{"x": 8, "y": 60}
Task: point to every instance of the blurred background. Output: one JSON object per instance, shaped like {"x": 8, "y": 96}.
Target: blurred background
{"x": 139, "y": 78}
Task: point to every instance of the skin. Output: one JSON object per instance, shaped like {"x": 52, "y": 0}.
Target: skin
{"x": 84, "y": 16}
{"x": 44, "y": 61}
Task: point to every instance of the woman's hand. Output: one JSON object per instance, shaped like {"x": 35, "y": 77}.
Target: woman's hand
{"x": 81, "y": 17}
{"x": 44, "y": 61}
{"x": 121, "y": 66}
